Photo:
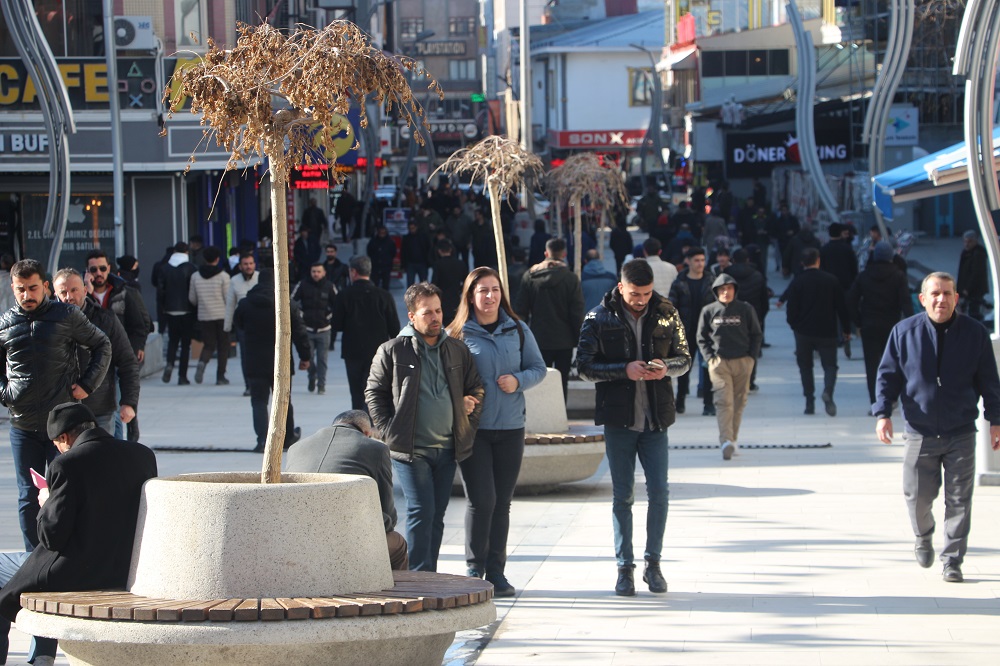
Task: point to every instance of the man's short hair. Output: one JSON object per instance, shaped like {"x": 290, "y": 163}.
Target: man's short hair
{"x": 741, "y": 256}
{"x": 556, "y": 247}
{"x": 592, "y": 255}
{"x": 651, "y": 247}
{"x": 722, "y": 252}
{"x": 234, "y": 251}
{"x": 181, "y": 247}
{"x": 445, "y": 246}
{"x": 361, "y": 265}
{"x": 96, "y": 254}
{"x": 318, "y": 263}
{"x": 810, "y": 256}
{"x": 197, "y": 238}
{"x": 247, "y": 255}
{"x": 211, "y": 254}
{"x": 64, "y": 273}
{"x": 6, "y": 261}
{"x": 694, "y": 251}
{"x": 520, "y": 254}
{"x": 27, "y": 268}
{"x": 331, "y": 246}
{"x": 637, "y": 272}
{"x": 419, "y": 290}
{"x": 936, "y": 275}
{"x": 357, "y": 419}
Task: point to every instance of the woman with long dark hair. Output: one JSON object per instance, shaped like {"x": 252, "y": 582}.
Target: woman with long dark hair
{"x": 509, "y": 363}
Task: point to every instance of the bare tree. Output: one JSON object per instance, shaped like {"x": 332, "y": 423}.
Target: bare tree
{"x": 581, "y": 177}
{"x": 285, "y": 96}
{"x": 502, "y": 165}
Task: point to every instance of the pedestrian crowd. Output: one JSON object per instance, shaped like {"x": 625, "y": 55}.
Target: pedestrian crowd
{"x": 684, "y": 313}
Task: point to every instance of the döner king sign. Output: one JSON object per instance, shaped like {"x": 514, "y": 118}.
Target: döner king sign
{"x": 755, "y": 154}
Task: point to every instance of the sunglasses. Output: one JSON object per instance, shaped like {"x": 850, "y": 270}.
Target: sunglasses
{"x": 94, "y": 269}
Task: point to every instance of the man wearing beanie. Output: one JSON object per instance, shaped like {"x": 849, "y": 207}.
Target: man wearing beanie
{"x": 87, "y": 521}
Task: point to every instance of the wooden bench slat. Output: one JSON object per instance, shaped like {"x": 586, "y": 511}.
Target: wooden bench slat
{"x": 174, "y": 611}
{"x": 198, "y": 612}
{"x": 223, "y": 612}
{"x": 407, "y": 605}
{"x": 333, "y": 607}
{"x": 295, "y": 609}
{"x": 365, "y": 608}
{"x": 247, "y": 610}
{"x": 271, "y": 610}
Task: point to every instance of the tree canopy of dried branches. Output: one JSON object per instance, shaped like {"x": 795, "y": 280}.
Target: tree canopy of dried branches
{"x": 502, "y": 165}
{"x": 284, "y": 95}
{"x": 582, "y": 176}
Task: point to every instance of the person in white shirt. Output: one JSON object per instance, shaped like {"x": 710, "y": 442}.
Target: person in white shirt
{"x": 239, "y": 285}
{"x": 664, "y": 273}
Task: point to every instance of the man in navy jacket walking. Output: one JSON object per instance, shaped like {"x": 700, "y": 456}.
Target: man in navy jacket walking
{"x": 938, "y": 365}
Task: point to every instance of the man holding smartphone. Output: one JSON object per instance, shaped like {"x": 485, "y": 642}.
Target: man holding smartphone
{"x": 631, "y": 345}
{"x": 729, "y": 337}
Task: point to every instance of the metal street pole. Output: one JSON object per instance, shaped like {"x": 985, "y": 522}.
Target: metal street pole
{"x": 525, "y": 79}
{"x": 117, "y": 177}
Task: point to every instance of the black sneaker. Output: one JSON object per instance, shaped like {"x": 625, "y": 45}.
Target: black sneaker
{"x": 312, "y": 384}
{"x": 831, "y": 407}
{"x": 652, "y": 576}
{"x": 924, "y": 552}
{"x": 167, "y": 372}
{"x": 501, "y": 586}
{"x": 625, "y": 587}
{"x": 679, "y": 406}
{"x": 321, "y": 390}
{"x": 952, "y": 573}
{"x": 708, "y": 411}
{"x": 222, "y": 382}
{"x": 473, "y": 572}
{"x": 810, "y": 407}
{"x": 754, "y": 388}
{"x": 246, "y": 393}
{"x": 183, "y": 381}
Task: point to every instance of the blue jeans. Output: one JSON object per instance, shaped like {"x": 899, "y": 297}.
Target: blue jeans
{"x": 40, "y": 646}
{"x": 320, "y": 342}
{"x": 30, "y": 450}
{"x": 622, "y": 446}
{"x": 426, "y": 483}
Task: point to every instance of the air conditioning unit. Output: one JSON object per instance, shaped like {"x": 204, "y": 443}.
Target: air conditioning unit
{"x": 134, "y": 33}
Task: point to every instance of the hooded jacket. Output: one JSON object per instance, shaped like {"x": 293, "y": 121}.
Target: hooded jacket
{"x": 551, "y": 302}
{"x": 126, "y": 302}
{"x": 39, "y": 354}
{"x": 394, "y": 387}
{"x": 880, "y": 297}
{"x": 816, "y": 306}
{"x": 751, "y": 287}
{"x": 255, "y": 316}
{"x": 728, "y": 330}
{"x": 595, "y": 281}
{"x": 124, "y": 365}
{"x": 175, "y": 283}
{"x": 207, "y": 292}
{"x": 608, "y": 345}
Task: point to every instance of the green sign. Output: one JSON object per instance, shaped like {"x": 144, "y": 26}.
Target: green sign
{"x": 477, "y": 97}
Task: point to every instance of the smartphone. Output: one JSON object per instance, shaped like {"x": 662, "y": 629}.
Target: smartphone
{"x": 654, "y": 365}
{"x": 37, "y": 479}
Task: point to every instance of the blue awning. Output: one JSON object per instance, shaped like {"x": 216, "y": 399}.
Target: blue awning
{"x": 939, "y": 173}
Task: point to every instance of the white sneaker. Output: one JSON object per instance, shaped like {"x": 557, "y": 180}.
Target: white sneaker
{"x": 727, "y": 450}
{"x": 44, "y": 660}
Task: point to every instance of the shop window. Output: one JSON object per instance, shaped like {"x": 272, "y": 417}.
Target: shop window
{"x": 736, "y": 63}
{"x": 409, "y": 28}
{"x": 191, "y": 18}
{"x": 757, "y": 65}
{"x": 777, "y": 62}
{"x": 712, "y": 63}
{"x": 462, "y": 25}
{"x": 462, "y": 70}
{"x": 640, "y": 86}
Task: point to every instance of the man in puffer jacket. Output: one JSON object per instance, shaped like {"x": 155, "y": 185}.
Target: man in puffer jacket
{"x": 38, "y": 339}
{"x": 729, "y": 338}
{"x": 207, "y": 292}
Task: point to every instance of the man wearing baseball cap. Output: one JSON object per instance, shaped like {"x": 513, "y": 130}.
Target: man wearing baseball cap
{"x": 87, "y": 520}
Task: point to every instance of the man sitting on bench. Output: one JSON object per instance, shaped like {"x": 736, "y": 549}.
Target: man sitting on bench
{"x": 87, "y": 521}
{"x": 346, "y": 447}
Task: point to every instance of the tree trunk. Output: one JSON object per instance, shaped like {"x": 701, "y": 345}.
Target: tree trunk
{"x": 498, "y": 234}
{"x": 602, "y": 232}
{"x": 271, "y": 472}
{"x": 577, "y": 236}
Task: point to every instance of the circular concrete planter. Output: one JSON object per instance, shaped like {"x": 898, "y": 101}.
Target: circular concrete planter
{"x": 227, "y": 536}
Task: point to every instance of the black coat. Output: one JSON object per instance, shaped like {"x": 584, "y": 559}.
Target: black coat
{"x": 87, "y": 526}
{"x": 366, "y": 314}
{"x": 816, "y": 305}
{"x": 880, "y": 297}
{"x": 382, "y": 252}
{"x": 449, "y": 276}
{"x": 126, "y": 302}
{"x": 608, "y": 345}
{"x": 255, "y": 316}
{"x": 838, "y": 259}
{"x": 688, "y": 306}
{"x": 38, "y": 352}
{"x": 316, "y": 301}
{"x": 173, "y": 287}
{"x": 337, "y": 273}
{"x": 551, "y": 303}
{"x": 415, "y": 248}
{"x": 124, "y": 365}
{"x": 973, "y": 273}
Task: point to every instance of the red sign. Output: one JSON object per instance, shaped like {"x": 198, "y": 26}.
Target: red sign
{"x": 310, "y": 177}
{"x": 599, "y": 139}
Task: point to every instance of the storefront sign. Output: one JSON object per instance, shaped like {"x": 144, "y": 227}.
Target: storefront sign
{"x": 449, "y": 48}
{"x": 904, "y": 126}
{"x": 751, "y": 154}
{"x": 86, "y": 81}
{"x": 596, "y": 139}
{"x": 14, "y": 142}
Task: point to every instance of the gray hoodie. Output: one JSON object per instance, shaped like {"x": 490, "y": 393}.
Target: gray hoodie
{"x": 731, "y": 330}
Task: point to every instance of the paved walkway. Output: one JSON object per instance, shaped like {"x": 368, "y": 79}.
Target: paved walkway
{"x": 780, "y": 556}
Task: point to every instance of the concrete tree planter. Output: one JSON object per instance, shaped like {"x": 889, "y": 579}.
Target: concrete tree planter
{"x": 227, "y": 536}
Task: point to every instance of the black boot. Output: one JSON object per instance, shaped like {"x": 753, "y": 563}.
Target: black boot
{"x": 679, "y": 404}
{"x": 810, "y": 406}
{"x": 625, "y": 587}
{"x": 654, "y": 578}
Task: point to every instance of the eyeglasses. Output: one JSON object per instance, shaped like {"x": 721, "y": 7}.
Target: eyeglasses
{"x": 94, "y": 269}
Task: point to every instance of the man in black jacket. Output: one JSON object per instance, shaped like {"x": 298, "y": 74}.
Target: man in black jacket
{"x": 381, "y": 251}
{"x": 87, "y": 521}
{"x": 879, "y": 298}
{"x": 838, "y": 257}
{"x": 816, "y": 305}
{"x": 173, "y": 288}
{"x": 690, "y": 292}
{"x": 551, "y": 302}
{"x": 449, "y": 276}
{"x": 336, "y": 270}
{"x": 347, "y": 447}
{"x": 38, "y": 339}
{"x": 367, "y": 317}
{"x": 631, "y": 345}
{"x": 255, "y": 316}
{"x": 973, "y": 275}
{"x": 67, "y": 284}
{"x": 315, "y": 295}
{"x": 729, "y": 338}
{"x": 112, "y": 293}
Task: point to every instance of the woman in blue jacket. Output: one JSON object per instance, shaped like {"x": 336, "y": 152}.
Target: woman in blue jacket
{"x": 509, "y": 362}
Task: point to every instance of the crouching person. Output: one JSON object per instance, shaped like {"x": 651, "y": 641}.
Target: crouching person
{"x": 87, "y": 520}
{"x": 347, "y": 447}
